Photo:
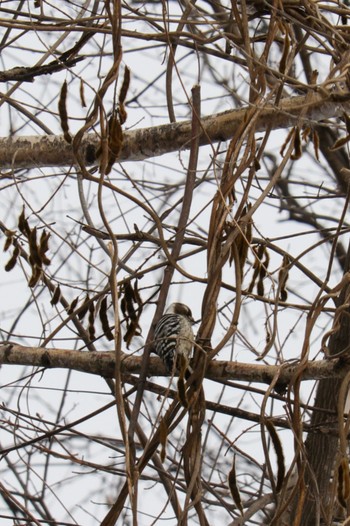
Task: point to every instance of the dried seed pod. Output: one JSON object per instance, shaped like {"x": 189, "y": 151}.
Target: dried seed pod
{"x": 62, "y": 111}
{"x": 296, "y": 145}
{"x": 34, "y": 256}
{"x": 104, "y": 320}
{"x": 339, "y": 143}
{"x": 122, "y": 95}
{"x": 72, "y": 306}
{"x": 56, "y": 296}
{"x": 232, "y": 484}
{"x": 115, "y": 140}
{"x": 277, "y": 445}
{"x": 44, "y": 247}
{"x": 163, "y": 437}
{"x": 260, "y": 267}
{"x": 8, "y": 239}
{"x": 91, "y": 321}
{"x": 82, "y": 94}
{"x": 259, "y": 253}
{"x": 13, "y": 259}
{"x": 36, "y": 275}
{"x": 130, "y": 297}
{"x": 84, "y": 307}
{"x": 283, "y": 277}
{"x": 23, "y": 224}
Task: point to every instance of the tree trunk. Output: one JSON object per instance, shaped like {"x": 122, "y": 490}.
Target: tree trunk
{"x": 321, "y": 446}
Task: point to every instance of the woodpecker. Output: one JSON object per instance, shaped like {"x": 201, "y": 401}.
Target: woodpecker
{"x": 173, "y": 334}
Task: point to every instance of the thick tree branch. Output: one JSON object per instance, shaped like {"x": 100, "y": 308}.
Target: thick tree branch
{"x": 103, "y": 363}
{"x": 52, "y": 150}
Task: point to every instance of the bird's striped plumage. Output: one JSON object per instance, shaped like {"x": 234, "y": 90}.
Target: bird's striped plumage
{"x": 174, "y": 335}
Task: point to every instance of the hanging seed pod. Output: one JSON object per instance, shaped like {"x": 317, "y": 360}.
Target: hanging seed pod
{"x": 13, "y": 259}
{"x": 104, "y": 320}
{"x": 277, "y": 445}
{"x": 91, "y": 321}
{"x": 283, "y": 277}
{"x": 56, "y": 296}
{"x": 130, "y": 298}
{"x": 84, "y": 307}
{"x": 23, "y": 224}
{"x": 72, "y": 306}
{"x": 62, "y": 111}
{"x": 232, "y": 484}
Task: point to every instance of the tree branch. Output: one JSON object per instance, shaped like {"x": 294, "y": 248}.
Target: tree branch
{"x": 103, "y": 363}
{"x": 52, "y": 150}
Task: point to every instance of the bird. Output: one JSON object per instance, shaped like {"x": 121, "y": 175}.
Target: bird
{"x": 173, "y": 335}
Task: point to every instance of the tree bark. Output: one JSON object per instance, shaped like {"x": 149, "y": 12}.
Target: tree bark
{"x": 52, "y": 150}
{"x": 321, "y": 446}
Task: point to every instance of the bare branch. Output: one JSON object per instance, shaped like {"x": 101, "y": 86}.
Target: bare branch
{"x": 52, "y": 150}
{"x": 103, "y": 363}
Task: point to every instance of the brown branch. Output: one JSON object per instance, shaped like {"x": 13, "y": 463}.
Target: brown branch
{"x": 28, "y": 74}
{"x": 103, "y": 363}
{"x": 38, "y": 151}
